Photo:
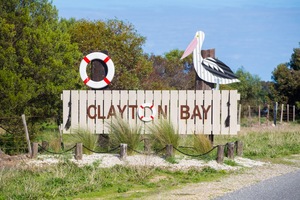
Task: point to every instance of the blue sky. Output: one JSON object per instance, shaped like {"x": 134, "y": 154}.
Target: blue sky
{"x": 257, "y": 35}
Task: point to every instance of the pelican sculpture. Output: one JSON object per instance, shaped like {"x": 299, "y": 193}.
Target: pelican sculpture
{"x": 208, "y": 69}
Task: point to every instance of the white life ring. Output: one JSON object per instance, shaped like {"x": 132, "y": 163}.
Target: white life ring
{"x": 110, "y": 70}
{"x": 141, "y": 112}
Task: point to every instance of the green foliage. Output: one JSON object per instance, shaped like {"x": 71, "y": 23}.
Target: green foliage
{"x": 36, "y": 59}
{"x": 87, "y": 138}
{"x": 123, "y": 44}
{"x": 250, "y": 88}
{"x": 120, "y": 131}
{"x": 164, "y": 133}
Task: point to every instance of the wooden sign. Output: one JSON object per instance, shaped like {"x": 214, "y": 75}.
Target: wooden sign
{"x": 190, "y": 111}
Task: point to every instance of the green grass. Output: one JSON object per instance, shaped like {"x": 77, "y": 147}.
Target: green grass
{"x": 268, "y": 142}
{"x": 67, "y": 181}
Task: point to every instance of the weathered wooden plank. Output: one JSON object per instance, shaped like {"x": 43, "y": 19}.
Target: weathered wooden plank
{"x": 82, "y": 109}
{"x": 199, "y": 120}
{"x": 225, "y": 112}
{"x": 183, "y": 110}
{"x": 190, "y": 123}
{"x": 91, "y": 121}
{"x": 100, "y": 112}
{"x": 216, "y": 109}
{"x": 66, "y": 111}
{"x": 206, "y": 109}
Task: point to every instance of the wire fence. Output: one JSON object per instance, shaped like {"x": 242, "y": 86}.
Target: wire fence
{"x": 267, "y": 114}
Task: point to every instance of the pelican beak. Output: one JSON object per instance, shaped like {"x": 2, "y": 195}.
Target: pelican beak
{"x": 190, "y": 48}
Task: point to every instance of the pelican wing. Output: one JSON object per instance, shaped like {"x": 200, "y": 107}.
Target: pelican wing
{"x": 218, "y": 68}
{"x": 190, "y": 48}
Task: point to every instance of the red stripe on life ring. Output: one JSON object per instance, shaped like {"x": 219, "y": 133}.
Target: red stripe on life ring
{"x": 86, "y": 80}
{"x": 152, "y": 117}
{"x": 106, "y": 59}
{"x": 86, "y": 60}
{"x": 151, "y": 107}
{"x": 142, "y": 117}
{"x": 106, "y": 81}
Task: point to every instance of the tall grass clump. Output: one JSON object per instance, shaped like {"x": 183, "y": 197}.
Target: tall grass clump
{"x": 164, "y": 133}
{"x": 87, "y": 138}
{"x": 201, "y": 143}
{"x": 120, "y": 131}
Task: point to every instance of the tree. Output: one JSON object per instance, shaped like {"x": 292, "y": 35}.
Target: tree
{"x": 37, "y": 59}
{"x": 249, "y": 87}
{"x": 170, "y": 72}
{"x": 123, "y": 44}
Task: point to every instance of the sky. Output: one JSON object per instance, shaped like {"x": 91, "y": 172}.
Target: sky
{"x": 257, "y": 35}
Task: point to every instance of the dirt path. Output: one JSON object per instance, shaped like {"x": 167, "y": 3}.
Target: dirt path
{"x": 236, "y": 181}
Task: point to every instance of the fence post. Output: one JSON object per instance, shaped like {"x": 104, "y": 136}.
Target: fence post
{"x": 78, "y": 151}
{"x": 281, "y": 113}
{"x": 27, "y": 135}
{"x": 169, "y": 150}
{"x": 275, "y": 112}
{"x": 249, "y": 110}
{"x": 123, "y": 151}
{"x": 239, "y": 148}
{"x": 220, "y": 154}
{"x": 294, "y": 112}
{"x": 287, "y": 112}
{"x": 230, "y": 150}
{"x": 268, "y": 115}
{"x": 147, "y": 144}
{"x": 259, "y": 115}
{"x": 35, "y": 149}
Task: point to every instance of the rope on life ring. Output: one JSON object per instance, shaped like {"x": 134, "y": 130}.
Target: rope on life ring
{"x": 141, "y": 112}
{"x": 110, "y": 70}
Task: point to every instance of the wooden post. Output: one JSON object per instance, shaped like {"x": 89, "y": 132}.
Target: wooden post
{"x": 78, "y": 151}
{"x": 281, "y": 113}
{"x": 230, "y": 150}
{"x": 35, "y": 149}
{"x": 99, "y": 69}
{"x": 147, "y": 145}
{"x": 169, "y": 151}
{"x": 123, "y": 151}
{"x": 275, "y": 112}
{"x": 45, "y": 145}
{"x": 287, "y": 112}
{"x": 199, "y": 83}
{"x": 240, "y": 113}
{"x": 220, "y": 154}
{"x": 268, "y": 114}
{"x": 239, "y": 148}
{"x": 294, "y": 113}
{"x": 258, "y": 115}
{"x": 249, "y": 110}
{"x": 27, "y": 134}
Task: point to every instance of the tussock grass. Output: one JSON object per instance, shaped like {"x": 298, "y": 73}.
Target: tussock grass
{"x": 201, "y": 143}
{"x": 164, "y": 133}
{"x": 122, "y": 132}
{"x": 87, "y": 138}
